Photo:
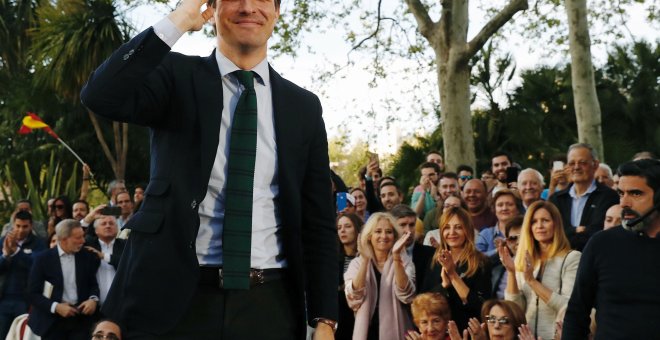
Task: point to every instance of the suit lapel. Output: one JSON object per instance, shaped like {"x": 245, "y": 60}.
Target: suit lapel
{"x": 57, "y": 267}
{"x": 208, "y": 89}
{"x": 283, "y": 116}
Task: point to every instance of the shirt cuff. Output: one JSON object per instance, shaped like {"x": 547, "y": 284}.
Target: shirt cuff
{"x": 167, "y": 31}
{"x": 52, "y": 307}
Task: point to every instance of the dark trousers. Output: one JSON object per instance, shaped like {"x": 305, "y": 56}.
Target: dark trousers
{"x": 263, "y": 312}
{"x": 10, "y": 308}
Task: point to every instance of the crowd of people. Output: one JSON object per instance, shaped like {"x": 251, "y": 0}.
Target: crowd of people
{"x": 496, "y": 257}
{"x": 468, "y": 258}
{"x": 60, "y": 270}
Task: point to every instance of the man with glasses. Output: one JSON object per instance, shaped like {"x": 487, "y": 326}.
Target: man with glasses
{"x": 465, "y": 173}
{"x": 584, "y": 203}
{"x": 106, "y": 330}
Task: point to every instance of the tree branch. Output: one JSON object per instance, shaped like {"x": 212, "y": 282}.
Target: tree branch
{"x": 495, "y": 23}
{"x": 99, "y": 136}
{"x": 421, "y": 14}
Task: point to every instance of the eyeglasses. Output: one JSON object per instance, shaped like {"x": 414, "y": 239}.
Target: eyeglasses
{"x": 101, "y": 336}
{"x": 513, "y": 238}
{"x": 465, "y": 178}
{"x": 493, "y": 319}
{"x": 581, "y": 163}
{"x": 58, "y": 206}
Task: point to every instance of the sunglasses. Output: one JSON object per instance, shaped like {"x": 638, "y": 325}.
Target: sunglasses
{"x": 493, "y": 319}
{"x": 513, "y": 238}
{"x": 58, "y": 206}
{"x": 465, "y": 178}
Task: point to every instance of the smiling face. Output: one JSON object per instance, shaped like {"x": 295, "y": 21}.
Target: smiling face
{"x": 543, "y": 227}
{"x": 407, "y": 224}
{"x": 453, "y": 233}
{"x": 21, "y": 229}
{"x": 432, "y": 326}
{"x": 382, "y": 237}
{"x": 475, "y": 195}
{"x": 581, "y": 165}
{"x": 529, "y": 186}
{"x": 497, "y": 329}
{"x": 448, "y": 186}
{"x": 346, "y": 231}
{"x": 505, "y": 208}
{"x": 389, "y": 197}
{"x": 499, "y": 165}
{"x": 244, "y": 26}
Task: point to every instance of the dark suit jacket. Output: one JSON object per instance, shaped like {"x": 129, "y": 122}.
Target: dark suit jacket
{"x": 47, "y": 267}
{"x": 593, "y": 215}
{"x": 180, "y": 98}
{"x": 14, "y": 270}
{"x": 421, "y": 258}
{"x": 117, "y": 249}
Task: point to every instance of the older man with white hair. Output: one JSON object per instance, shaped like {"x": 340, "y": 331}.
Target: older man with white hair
{"x": 530, "y": 186}
{"x": 604, "y": 175}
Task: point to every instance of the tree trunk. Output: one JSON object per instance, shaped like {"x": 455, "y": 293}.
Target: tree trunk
{"x": 120, "y": 134}
{"x": 585, "y": 100}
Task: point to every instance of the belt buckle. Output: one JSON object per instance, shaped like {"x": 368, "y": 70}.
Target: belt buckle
{"x": 256, "y": 277}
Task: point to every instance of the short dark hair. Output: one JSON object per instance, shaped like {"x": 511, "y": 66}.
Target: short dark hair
{"x": 24, "y": 201}
{"x": 211, "y": 3}
{"x": 433, "y": 152}
{"x": 23, "y": 215}
{"x": 391, "y": 184}
{"x": 427, "y": 165}
{"x": 514, "y": 223}
{"x": 464, "y": 167}
{"x": 648, "y": 169}
{"x": 451, "y": 175}
{"x": 121, "y": 331}
{"x": 81, "y": 201}
{"x": 502, "y": 153}
{"x": 401, "y": 211}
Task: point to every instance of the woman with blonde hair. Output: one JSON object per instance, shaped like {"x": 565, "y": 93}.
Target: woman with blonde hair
{"x": 541, "y": 278}
{"x": 380, "y": 281}
{"x": 458, "y": 269}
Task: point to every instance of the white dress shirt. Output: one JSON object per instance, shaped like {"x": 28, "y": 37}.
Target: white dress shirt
{"x": 266, "y": 243}
{"x": 70, "y": 289}
{"x": 106, "y": 272}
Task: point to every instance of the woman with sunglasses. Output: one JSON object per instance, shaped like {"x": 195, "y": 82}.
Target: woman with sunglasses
{"x": 61, "y": 209}
{"x": 540, "y": 279}
{"x": 458, "y": 269}
{"x": 503, "y": 319}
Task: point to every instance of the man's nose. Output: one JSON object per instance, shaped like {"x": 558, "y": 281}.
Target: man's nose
{"x": 246, "y": 6}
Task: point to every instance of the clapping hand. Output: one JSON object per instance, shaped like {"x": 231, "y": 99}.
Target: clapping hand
{"x": 476, "y": 330}
{"x": 447, "y": 261}
{"x": 400, "y": 244}
{"x": 413, "y": 335}
{"x": 9, "y": 245}
{"x": 526, "y": 333}
{"x": 506, "y": 258}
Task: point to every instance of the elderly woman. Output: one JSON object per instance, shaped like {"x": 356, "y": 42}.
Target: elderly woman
{"x": 459, "y": 270}
{"x": 431, "y": 314}
{"x": 541, "y": 278}
{"x": 503, "y": 319}
{"x": 348, "y": 230}
{"x": 506, "y": 205}
{"x": 380, "y": 281}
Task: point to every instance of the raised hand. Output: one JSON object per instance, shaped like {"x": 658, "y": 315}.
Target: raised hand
{"x": 476, "y": 330}
{"x": 506, "y": 258}
{"x": 400, "y": 243}
{"x": 526, "y": 333}
{"x": 413, "y": 335}
{"x": 189, "y": 16}
{"x": 434, "y": 242}
{"x": 454, "y": 333}
{"x": 447, "y": 262}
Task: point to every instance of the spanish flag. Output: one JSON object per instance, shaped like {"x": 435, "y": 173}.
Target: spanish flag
{"x": 32, "y": 121}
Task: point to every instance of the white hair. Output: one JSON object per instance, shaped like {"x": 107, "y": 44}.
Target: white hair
{"x": 536, "y": 173}
{"x": 65, "y": 227}
{"x": 606, "y": 168}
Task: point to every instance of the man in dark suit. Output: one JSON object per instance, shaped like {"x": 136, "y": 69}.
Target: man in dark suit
{"x": 171, "y": 282}
{"x": 584, "y": 203}
{"x": 62, "y": 287}
{"x": 18, "y": 250}
{"x": 108, "y": 248}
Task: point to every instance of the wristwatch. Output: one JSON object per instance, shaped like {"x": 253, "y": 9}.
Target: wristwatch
{"x": 331, "y": 323}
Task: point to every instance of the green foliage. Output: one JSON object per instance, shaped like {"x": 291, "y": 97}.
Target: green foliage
{"x": 40, "y": 184}
{"x": 347, "y": 162}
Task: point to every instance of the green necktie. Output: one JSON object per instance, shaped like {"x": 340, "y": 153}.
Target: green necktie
{"x": 237, "y": 230}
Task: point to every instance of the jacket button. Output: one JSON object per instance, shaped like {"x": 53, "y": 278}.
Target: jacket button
{"x": 193, "y": 204}
{"x": 126, "y": 56}
{"x": 191, "y": 245}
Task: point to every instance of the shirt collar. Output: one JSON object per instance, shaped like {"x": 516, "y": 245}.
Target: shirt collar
{"x": 591, "y": 189}
{"x": 226, "y": 67}
{"x": 61, "y": 251}
{"x": 109, "y": 245}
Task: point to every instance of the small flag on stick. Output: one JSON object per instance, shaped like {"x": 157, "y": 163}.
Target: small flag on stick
{"x": 32, "y": 122}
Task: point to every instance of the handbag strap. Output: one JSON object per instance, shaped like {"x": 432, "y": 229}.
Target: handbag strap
{"x": 561, "y": 271}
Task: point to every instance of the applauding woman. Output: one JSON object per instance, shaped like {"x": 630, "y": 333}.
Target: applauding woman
{"x": 380, "y": 281}
{"x": 541, "y": 278}
{"x": 459, "y": 270}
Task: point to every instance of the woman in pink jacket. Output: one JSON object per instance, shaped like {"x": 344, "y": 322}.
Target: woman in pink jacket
{"x": 380, "y": 281}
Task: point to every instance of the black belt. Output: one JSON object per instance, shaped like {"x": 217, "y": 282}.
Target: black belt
{"x": 212, "y": 276}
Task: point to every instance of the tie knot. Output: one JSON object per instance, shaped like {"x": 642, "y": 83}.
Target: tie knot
{"x": 246, "y": 78}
